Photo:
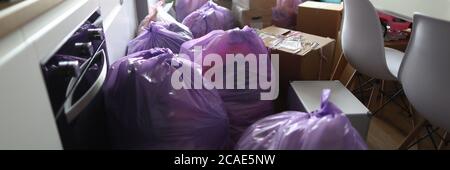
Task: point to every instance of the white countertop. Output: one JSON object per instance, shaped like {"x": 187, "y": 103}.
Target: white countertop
{"x": 14, "y": 16}
{"x": 405, "y": 9}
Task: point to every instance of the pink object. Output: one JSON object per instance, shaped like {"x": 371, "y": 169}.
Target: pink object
{"x": 146, "y": 112}
{"x": 285, "y": 13}
{"x": 208, "y": 18}
{"x": 325, "y": 129}
{"x": 395, "y": 25}
{"x": 159, "y": 34}
{"x": 185, "y": 7}
{"x": 244, "y": 107}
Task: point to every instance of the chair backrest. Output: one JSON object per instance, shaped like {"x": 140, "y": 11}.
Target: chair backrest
{"x": 425, "y": 70}
{"x": 362, "y": 39}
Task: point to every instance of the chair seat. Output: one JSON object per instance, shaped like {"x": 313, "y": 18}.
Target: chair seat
{"x": 394, "y": 59}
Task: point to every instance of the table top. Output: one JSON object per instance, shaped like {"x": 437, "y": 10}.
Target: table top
{"x": 309, "y": 93}
{"x": 405, "y": 9}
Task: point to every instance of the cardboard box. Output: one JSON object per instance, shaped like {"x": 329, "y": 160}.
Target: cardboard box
{"x": 305, "y": 64}
{"x": 265, "y": 5}
{"x": 246, "y": 17}
{"x": 319, "y": 18}
{"x": 312, "y": 63}
{"x": 250, "y": 12}
{"x": 305, "y": 96}
{"x": 225, "y": 3}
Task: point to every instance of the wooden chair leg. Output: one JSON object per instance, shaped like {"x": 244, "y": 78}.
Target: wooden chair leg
{"x": 372, "y": 104}
{"x": 443, "y": 141}
{"x": 412, "y": 135}
{"x": 414, "y": 117}
{"x": 348, "y": 76}
{"x": 340, "y": 66}
{"x": 383, "y": 84}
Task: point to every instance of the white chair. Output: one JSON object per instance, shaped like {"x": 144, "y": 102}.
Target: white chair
{"x": 424, "y": 73}
{"x": 363, "y": 44}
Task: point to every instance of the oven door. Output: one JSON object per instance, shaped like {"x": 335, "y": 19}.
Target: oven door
{"x": 74, "y": 77}
{"x": 82, "y": 119}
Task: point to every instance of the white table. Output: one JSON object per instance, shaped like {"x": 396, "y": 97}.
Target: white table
{"x": 405, "y": 9}
{"x": 305, "y": 96}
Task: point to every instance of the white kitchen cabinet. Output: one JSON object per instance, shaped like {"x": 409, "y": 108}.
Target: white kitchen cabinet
{"x": 26, "y": 119}
{"x": 120, "y": 27}
{"x": 107, "y": 6}
{"x": 49, "y": 31}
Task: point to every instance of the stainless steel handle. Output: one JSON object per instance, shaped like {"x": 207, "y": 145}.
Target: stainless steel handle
{"x": 73, "y": 110}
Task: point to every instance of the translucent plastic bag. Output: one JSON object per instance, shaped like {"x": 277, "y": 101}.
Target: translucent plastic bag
{"x": 285, "y": 13}
{"x": 185, "y": 7}
{"x": 160, "y": 35}
{"x": 325, "y": 129}
{"x": 245, "y": 106}
{"x": 159, "y": 14}
{"x": 146, "y": 112}
{"x": 152, "y": 16}
{"x": 208, "y": 18}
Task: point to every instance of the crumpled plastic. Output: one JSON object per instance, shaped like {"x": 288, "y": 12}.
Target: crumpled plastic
{"x": 285, "y": 13}
{"x": 244, "y": 106}
{"x": 158, "y": 14}
{"x": 208, "y": 18}
{"x": 161, "y": 35}
{"x": 185, "y": 7}
{"x": 145, "y": 111}
{"x": 326, "y": 129}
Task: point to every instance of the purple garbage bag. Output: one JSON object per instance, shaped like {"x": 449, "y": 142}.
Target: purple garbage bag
{"x": 208, "y": 18}
{"x": 244, "y": 106}
{"x": 161, "y": 35}
{"x": 185, "y": 7}
{"x": 146, "y": 112}
{"x": 285, "y": 13}
{"x": 325, "y": 129}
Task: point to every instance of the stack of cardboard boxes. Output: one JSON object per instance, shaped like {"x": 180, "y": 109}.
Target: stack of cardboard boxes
{"x": 320, "y": 18}
{"x": 257, "y": 13}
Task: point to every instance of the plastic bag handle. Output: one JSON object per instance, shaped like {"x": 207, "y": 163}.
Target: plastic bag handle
{"x": 326, "y": 93}
{"x": 327, "y": 107}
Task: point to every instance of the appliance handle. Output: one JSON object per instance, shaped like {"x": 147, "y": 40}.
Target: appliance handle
{"x": 73, "y": 110}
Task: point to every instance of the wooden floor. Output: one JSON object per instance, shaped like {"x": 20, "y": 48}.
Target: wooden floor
{"x": 391, "y": 126}
{"x": 383, "y": 136}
